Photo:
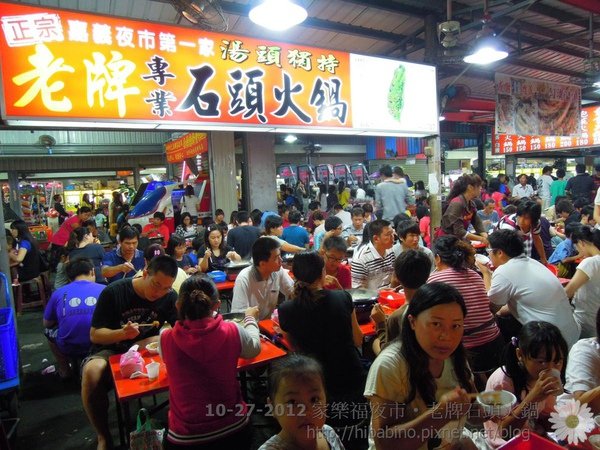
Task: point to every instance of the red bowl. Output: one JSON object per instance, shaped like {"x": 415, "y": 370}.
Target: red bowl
{"x": 391, "y": 299}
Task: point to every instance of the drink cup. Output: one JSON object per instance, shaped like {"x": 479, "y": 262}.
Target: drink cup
{"x": 152, "y": 370}
{"x": 556, "y": 374}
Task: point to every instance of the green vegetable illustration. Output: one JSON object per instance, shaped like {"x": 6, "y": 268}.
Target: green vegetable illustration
{"x": 396, "y": 93}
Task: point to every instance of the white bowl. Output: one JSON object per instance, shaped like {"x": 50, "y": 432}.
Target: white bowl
{"x": 496, "y": 403}
{"x": 152, "y": 348}
{"x": 482, "y": 258}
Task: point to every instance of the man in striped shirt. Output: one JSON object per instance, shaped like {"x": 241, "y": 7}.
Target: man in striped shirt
{"x": 373, "y": 267}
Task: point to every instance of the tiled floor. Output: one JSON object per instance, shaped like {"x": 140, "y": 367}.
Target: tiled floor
{"x": 51, "y": 413}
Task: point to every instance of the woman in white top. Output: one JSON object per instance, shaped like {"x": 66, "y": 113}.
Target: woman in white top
{"x": 189, "y": 202}
{"x": 584, "y": 287}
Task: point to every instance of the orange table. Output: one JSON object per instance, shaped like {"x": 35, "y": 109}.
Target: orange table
{"x": 368, "y": 329}
{"x": 225, "y": 285}
{"x": 267, "y": 326}
{"x": 127, "y": 389}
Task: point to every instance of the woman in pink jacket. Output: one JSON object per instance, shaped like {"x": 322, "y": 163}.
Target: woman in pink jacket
{"x": 201, "y": 352}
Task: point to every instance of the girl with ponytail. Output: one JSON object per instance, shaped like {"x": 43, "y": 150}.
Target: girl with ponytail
{"x": 201, "y": 354}
{"x": 584, "y": 287}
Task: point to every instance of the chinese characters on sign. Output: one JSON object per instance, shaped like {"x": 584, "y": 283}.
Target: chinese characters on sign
{"x": 187, "y": 146}
{"x": 81, "y": 66}
{"x": 590, "y": 135}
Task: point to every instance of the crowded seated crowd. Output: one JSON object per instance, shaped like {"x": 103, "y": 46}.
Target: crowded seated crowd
{"x": 504, "y": 295}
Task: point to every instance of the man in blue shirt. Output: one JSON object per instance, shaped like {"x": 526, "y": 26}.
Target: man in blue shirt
{"x": 68, "y": 314}
{"x": 295, "y": 234}
{"x": 489, "y": 216}
{"x": 126, "y": 259}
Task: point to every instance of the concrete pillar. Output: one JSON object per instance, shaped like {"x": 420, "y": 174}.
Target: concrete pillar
{"x": 136, "y": 177}
{"x": 481, "y": 141}
{"x": 434, "y": 168}
{"x": 221, "y": 159}
{"x": 13, "y": 185}
{"x": 511, "y": 167}
{"x": 259, "y": 174}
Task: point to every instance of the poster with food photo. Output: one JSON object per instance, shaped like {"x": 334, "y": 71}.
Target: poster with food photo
{"x": 526, "y": 106}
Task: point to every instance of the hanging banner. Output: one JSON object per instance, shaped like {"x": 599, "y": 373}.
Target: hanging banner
{"x": 68, "y": 67}
{"x": 526, "y": 106}
{"x": 589, "y": 135}
{"x": 187, "y": 146}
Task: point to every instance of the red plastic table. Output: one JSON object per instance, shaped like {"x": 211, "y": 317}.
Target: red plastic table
{"x": 127, "y": 389}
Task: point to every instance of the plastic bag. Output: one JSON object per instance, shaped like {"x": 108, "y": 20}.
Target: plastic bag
{"x": 145, "y": 437}
{"x": 131, "y": 361}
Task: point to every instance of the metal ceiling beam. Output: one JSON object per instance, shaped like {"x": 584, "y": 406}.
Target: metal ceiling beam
{"x": 537, "y": 66}
{"x": 326, "y": 25}
{"x": 560, "y": 16}
{"x": 400, "y": 7}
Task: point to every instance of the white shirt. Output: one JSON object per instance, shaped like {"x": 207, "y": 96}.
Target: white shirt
{"x": 532, "y": 292}
{"x": 251, "y": 290}
{"x": 543, "y": 185}
{"x": 346, "y": 218}
{"x": 583, "y": 368}
{"x": 587, "y": 297}
{"x": 370, "y": 270}
{"x": 521, "y": 191}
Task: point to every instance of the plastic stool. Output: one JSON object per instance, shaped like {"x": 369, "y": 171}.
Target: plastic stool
{"x": 41, "y": 292}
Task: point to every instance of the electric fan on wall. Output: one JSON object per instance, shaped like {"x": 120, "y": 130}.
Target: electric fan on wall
{"x": 207, "y": 14}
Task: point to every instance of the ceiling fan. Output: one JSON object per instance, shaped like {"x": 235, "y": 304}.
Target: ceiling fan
{"x": 206, "y": 14}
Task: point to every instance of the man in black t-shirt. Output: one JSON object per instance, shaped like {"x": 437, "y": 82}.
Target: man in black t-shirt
{"x": 121, "y": 308}
{"x": 581, "y": 185}
{"x": 242, "y": 237}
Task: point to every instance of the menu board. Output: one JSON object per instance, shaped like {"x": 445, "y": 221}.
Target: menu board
{"x": 589, "y": 135}
{"x": 526, "y": 106}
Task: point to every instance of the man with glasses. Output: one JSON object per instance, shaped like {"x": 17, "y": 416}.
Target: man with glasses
{"x": 260, "y": 284}
{"x": 337, "y": 273}
{"x": 373, "y": 267}
{"x": 522, "y": 290}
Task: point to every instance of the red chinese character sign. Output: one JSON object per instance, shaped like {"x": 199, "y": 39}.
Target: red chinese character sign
{"x": 589, "y": 135}
{"x": 527, "y": 106}
{"x": 188, "y": 146}
{"x": 75, "y": 66}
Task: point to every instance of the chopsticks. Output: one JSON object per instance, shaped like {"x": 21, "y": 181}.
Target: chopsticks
{"x": 153, "y": 324}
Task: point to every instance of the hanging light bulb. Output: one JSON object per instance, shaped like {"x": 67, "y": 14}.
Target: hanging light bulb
{"x": 487, "y": 49}
{"x": 277, "y": 15}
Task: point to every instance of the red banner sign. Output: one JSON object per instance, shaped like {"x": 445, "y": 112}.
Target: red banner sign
{"x": 590, "y": 135}
{"x": 60, "y": 65}
{"x": 187, "y": 146}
